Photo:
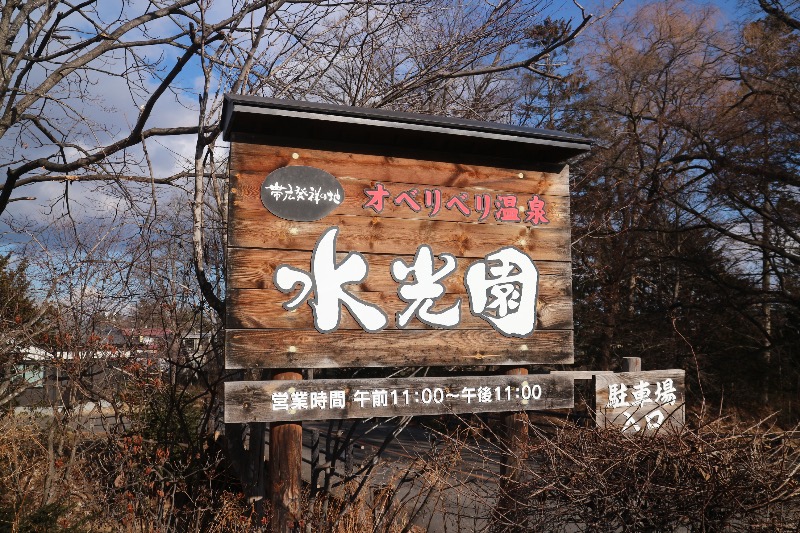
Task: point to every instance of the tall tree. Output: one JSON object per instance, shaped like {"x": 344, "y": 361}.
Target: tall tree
{"x": 686, "y": 215}
{"x": 19, "y": 315}
{"x": 16, "y": 304}
{"x": 57, "y": 126}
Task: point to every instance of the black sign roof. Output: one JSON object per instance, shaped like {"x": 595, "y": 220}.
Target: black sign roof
{"x": 311, "y": 124}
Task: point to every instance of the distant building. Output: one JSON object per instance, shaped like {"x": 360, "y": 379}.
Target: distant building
{"x": 107, "y": 360}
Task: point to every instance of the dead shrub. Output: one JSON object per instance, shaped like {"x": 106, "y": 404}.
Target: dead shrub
{"x": 706, "y": 479}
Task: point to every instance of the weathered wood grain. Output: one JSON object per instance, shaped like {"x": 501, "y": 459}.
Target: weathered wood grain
{"x": 263, "y": 159}
{"x": 254, "y": 268}
{"x": 398, "y": 236}
{"x": 251, "y": 401}
{"x": 673, "y": 415}
{"x": 257, "y": 348}
{"x": 263, "y": 308}
{"x": 514, "y": 443}
{"x": 263, "y": 334}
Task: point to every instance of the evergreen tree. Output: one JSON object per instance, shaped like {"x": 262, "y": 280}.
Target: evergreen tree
{"x": 17, "y": 308}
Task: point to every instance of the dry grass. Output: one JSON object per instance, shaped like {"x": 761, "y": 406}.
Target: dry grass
{"x": 715, "y": 478}
{"x": 707, "y": 479}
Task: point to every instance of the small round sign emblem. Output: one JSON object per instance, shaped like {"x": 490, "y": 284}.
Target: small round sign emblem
{"x": 300, "y": 193}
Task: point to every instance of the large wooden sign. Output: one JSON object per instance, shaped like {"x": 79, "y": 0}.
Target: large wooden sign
{"x": 364, "y": 238}
{"x": 370, "y": 238}
{"x": 640, "y": 402}
{"x": 445, "y": 261}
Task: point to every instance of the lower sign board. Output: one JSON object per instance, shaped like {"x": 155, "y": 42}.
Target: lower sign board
{"x": 322, "y": 399}
{"x": 640, "y": 402}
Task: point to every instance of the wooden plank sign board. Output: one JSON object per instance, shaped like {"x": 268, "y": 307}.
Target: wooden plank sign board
{"x": 640, "y": 402}
{"x": 422, "y": 263}
{"x": 370, "y": 238}
{"x": 322, "y": 399}
{"x": 373, "y": 238}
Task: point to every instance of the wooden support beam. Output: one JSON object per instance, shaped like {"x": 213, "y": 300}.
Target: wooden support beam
{"x": 631, "y": 364}
{"x": 579, "y": 374}
{"x": 278, "y": 348}
{"x": 515, "y": 441}
{"x": 285, "y": 462}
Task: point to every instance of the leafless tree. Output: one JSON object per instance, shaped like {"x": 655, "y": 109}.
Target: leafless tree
{"x": 59, "y": 58}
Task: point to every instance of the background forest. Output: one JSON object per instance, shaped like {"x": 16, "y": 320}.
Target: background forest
{"x": 686, "y": 214}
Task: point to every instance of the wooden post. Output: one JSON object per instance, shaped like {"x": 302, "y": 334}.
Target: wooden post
{"x": 515, "y": 437}
{"x": 254, "y": 482}
{"x": 515, "y": 432}
{"x": 285, "y": 462}
{"x": 314, "y": 462}
{"x": 348, "y": 461}
{"x": 631, "y": 364}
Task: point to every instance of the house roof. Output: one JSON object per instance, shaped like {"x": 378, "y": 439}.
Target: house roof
{"x": 36, "y": 354}
{"x": 295, "y": 123}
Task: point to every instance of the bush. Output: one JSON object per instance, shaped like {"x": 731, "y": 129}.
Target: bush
{"x": 707, "y": 479}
